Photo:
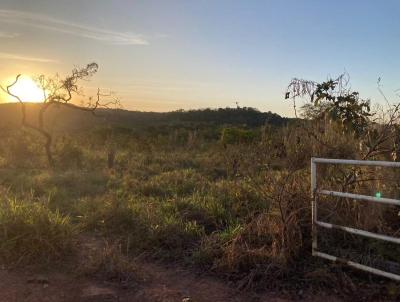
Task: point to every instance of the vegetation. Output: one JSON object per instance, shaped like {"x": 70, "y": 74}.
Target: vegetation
{"x": 214, "y": 189}
{"x": 57, "y": 92}
{"x": 31, "y": 232}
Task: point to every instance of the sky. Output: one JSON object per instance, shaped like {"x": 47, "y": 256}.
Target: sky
{"x": 167, "y": 54}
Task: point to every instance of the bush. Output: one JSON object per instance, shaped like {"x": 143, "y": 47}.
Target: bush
{"x": 235, "y": 135}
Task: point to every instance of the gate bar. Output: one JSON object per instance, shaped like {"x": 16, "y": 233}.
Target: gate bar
{"x": 358, "y": 266}
{"x": 358, "y": 232}
{"x": 357, "y": 162}
{"x": 314, "y": 200}
{"x": 360, "y": 197}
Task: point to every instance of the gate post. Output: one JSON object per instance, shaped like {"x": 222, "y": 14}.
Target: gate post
{"x": 314, "y": 206}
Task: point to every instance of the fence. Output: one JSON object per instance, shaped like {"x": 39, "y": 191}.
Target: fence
{"x": 315, "y": 191}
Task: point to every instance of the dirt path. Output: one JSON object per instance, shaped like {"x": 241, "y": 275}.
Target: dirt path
{"x": 159, "y": 284}
{"x": 163, "y": 285}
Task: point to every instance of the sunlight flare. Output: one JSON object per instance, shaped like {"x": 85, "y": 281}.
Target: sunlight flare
{"x": 27, "y": 90}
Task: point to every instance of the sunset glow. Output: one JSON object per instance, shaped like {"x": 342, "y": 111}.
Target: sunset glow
{"x": 27, "y": 90}
{"x": 169, "y": 55}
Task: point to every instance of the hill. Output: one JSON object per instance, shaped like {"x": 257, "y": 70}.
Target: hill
{"x": 62, "y": 118}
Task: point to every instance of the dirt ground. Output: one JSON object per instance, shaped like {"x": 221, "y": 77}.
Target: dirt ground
{"x": 160, "y": 284}
{"x": 165, "y": 285}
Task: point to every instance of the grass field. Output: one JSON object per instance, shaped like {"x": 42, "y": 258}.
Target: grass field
{"x": 232, "y": 202}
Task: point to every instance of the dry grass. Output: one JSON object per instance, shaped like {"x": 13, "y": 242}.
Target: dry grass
{"x": 30, "y": 232}
{"x": 241, "y": 211}
{"x": 108, "y": 261}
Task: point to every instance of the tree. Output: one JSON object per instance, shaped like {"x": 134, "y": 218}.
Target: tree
{"x": 334, "y": 100}
{"x": 60, "y": 91}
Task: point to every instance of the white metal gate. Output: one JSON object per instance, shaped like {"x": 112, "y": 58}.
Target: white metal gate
{"x": 315, "y": 191}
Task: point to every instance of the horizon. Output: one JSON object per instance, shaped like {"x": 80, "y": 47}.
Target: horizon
{"x": 176, "y": 110}
{"x": 164, "y": 56}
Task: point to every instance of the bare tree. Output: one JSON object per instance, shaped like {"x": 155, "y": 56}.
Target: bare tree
{"x": 60, "y": 91}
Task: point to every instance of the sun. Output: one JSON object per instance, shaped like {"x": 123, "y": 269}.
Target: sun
{"x": 27, "y": 90}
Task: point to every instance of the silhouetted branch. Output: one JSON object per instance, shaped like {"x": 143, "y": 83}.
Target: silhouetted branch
{"x": 58, "y": 91}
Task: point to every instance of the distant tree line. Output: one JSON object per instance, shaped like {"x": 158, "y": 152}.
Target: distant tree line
{"x": 71, "y": 119}
{"x": 242, "y": 116}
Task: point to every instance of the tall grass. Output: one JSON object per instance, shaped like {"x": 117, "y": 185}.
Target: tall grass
{"x": 240, "y": 210}
{"x": 30, "y": 232}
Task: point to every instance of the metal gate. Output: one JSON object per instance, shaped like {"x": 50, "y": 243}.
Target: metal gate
{"x": 315, "y": 191}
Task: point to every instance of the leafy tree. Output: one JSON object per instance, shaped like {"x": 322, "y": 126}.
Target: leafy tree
{"x": 378, "y": 133}
{"x": 332, "y": 99}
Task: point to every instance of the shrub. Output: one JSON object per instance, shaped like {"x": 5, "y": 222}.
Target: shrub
{"x": 235, "y": 135}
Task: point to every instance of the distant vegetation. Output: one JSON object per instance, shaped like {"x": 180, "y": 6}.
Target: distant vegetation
{"x": 67, "y": 119}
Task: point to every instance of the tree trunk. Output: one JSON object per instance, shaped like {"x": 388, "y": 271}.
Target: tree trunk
{"x": 49, "y": 155}
{"x": 111, "y": 158}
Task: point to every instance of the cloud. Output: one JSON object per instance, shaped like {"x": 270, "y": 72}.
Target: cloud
{"x": 12, "y": 56}
{"x": 80, "y": 30}
{"x": 4, "y": 34}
